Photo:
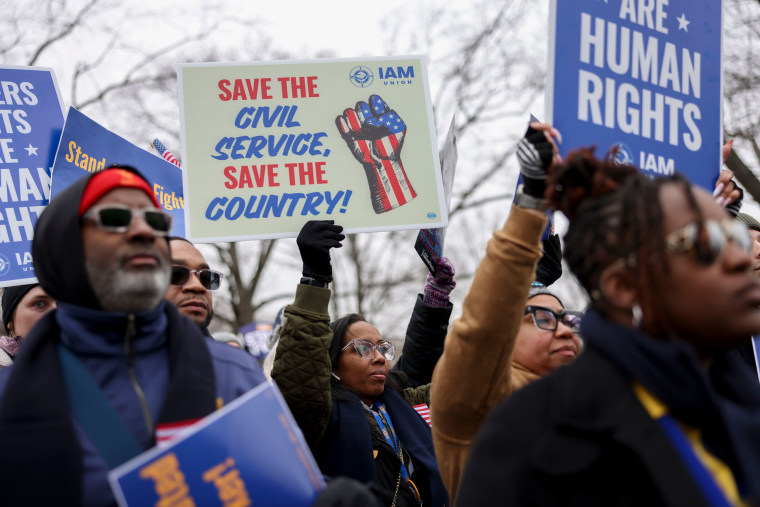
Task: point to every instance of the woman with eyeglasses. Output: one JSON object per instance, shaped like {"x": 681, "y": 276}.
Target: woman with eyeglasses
{"x": 513, "y": 329}
{"x": 357, "y": 418}
{"x": 656, "y": 411}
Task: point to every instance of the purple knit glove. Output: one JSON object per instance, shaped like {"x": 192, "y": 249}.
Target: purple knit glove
{"x": 438, "y": 288}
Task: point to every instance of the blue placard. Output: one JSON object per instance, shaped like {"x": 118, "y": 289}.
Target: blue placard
{"x": 250, "y": 452}
{"x": 88, "y": 147}
{"x": 643, "y": 76}
{"x": 31, "y": 119}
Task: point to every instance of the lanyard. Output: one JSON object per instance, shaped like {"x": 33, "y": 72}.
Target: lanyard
{"x": 386, "y": 427}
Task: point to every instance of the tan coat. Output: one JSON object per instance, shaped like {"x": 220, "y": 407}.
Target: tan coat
{"x": 476, "y": 371}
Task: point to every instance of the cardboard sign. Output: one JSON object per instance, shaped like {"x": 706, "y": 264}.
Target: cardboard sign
{"x": 250, "y": 452}
{"x": 269, "y": 146}
{"x": 31, "y": 119}
{"x": 643, "y": 76}
{"x": 87, "y": 147}
{"x": 429, "y": 243}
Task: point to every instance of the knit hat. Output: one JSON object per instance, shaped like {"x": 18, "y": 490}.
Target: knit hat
{"x": 749, "y": 221}
{"x": 109, "y": 179}
{"x": 11, "y": 298}
{"x": 538, "y": 289}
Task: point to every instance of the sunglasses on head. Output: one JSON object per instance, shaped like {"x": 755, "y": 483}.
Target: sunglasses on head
{"x": 209, "y": 279}
{"x": 704, "y": 241}
{"x": 366, "y": 349}
{"x": 117, "y": 218}
{"x": 547, "y": 319}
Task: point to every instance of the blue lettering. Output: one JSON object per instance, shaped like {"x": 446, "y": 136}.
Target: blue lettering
{"x": 313, "y": 199}
{"x": 216, "y": 214}
{"x": 225, "y": 142}
{"x": 234, "y": 208}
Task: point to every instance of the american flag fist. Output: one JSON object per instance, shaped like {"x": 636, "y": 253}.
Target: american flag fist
{"x": 375, "y": 135}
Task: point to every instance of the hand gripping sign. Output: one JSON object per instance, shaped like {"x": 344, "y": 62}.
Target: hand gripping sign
{"x": 375, "y": 135}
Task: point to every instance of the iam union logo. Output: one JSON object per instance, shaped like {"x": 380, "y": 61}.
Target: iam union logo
{"x": 361, "y": 76}
{"x": 5, "y": 265}
{"x": 623, "y": 154}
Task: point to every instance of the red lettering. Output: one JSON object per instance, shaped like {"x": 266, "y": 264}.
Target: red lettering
{"x": 245, "y": 177}
{"x": 239, "y": 92}
{"x": 229, "y": 173}
{"x": 225, "y": 95}
{"x": 312, "y": 80}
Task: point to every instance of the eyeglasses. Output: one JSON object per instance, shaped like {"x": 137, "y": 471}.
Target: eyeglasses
{"x": 366, "y": 349}
{"x": 116, "y": 218}
{"x": 209, "y": 279}
{"x": 547, "y": 319}
{"x": 704, "y": 241}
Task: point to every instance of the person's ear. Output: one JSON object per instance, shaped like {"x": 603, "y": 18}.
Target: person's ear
{"x": 617, "y": 287}
{"x": 10, "y": 329}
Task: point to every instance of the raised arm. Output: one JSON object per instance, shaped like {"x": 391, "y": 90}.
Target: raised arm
{"x": 475, "y": 371}
{"x": 302, "y": 363}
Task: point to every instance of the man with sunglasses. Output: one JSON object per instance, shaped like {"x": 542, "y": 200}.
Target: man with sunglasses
{"x": 191, "y": 282}
{"x": 115, "y": 368}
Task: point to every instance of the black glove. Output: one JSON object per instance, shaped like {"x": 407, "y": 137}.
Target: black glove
{"x": 535, "y": 153}
{"x": 314, "y": 241}
{"x": 549, "y": 267}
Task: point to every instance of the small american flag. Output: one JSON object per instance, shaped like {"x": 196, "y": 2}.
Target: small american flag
{"x": 424, "y": 411}
{"x": 168, "y": 156}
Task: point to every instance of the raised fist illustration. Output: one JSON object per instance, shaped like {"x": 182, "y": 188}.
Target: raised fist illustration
{"x": 375, "y": 135}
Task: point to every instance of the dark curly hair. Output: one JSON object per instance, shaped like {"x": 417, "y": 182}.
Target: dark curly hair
{"x": 614, "y": 215}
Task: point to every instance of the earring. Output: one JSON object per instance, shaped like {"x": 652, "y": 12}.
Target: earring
{"x": 336, "y": 377}
{"x": 636, "y": 316}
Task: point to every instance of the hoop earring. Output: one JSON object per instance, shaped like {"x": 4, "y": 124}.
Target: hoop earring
{"x": 636, "y": 316}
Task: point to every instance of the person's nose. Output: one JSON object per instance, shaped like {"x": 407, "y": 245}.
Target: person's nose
{"x": 139, "y": 228}
{"x": 194, "y": 284}
{"x": 378, "y": 357}
{"x": 563, "y": 330}
{"x": 735, "y": 258}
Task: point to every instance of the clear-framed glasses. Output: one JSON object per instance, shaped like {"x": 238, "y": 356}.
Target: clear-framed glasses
{"x": 366, "y": 349}
{"x": 209, "y": 278}
{"x": 704, "y": 241}
{"x": 547, "y": 319}
{"x": 117, "y": 218}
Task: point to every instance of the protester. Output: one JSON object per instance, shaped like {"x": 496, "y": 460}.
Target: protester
{"x": 749, "y": 349}
{"x": 336, "y": 380}
{"x": 100, "y": 250}
{"x": 649, "y": 414}
{"x": 192, "y": 282}
{"x": 22, "y": 306}
{"x": 511, "y": 331}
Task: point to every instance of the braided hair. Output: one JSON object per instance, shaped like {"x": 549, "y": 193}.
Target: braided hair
{"x": 614, "y": 215}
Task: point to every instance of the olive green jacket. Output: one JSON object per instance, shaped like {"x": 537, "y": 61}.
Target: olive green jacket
{"x": 302, "y": 367}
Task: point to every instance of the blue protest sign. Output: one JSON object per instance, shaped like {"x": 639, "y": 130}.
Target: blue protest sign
{"x": 643, "y": 76}
{"x": 31, "y": 118}
{"x": 250, "y": 452}
{"x": 88, "y": 147}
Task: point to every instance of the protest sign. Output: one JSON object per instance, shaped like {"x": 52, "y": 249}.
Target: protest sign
{"x": 250, "y": 452}
{"x": 256, "y": 336}
{"x": 643, "y": 76}
{"x": 268, "y": 146}
{"x": 429, "y": 243}
{"x": 32, "y": 119}
{"x": 87, "y": 147}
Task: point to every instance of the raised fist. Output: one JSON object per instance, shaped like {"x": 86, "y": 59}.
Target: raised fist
{"x": 375, "y": 135}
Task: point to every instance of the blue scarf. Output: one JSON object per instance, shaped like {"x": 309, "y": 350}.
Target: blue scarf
{"x": 348, "y": 443}
{"x": 723, "y": 403}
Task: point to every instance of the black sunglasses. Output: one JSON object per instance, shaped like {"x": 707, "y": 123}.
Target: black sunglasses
{"x": 117, "y": 218}
{"x": 547, "y": 319}
{"x": 209, "y": 279}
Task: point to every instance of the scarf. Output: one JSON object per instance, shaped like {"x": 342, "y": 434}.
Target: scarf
{"x": 724, "y": 402}
{"x": 36, "y": 433}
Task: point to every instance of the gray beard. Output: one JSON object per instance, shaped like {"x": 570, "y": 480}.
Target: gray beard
{"x": 121, "y": 291}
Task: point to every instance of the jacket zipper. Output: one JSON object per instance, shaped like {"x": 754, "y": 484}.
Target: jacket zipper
{"x": 129, "y": 349}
